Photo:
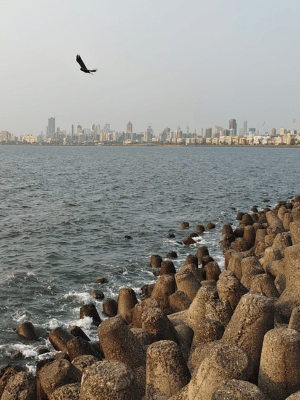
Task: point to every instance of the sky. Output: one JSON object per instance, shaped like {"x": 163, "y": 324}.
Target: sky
{"x": 160, "y": 63}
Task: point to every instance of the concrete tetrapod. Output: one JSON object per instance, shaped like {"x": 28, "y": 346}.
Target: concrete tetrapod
{"x": 290, "y": 297}
{"x": 251, "y": 320}
{"x": 225, "y": 361}
{"x": 166, "y": 371}
{"x": 230, "y": 288}
{"x": 197, "y": 309}
{"x": 108, "y": 380}
{"x": 279, "y": 372}
{"x": 233, "y": 389}
{"x": 20, "y": 386}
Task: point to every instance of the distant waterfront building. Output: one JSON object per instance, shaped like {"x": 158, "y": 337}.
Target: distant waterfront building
{"x": 51, "y": 126}
{"x": 233, "y": 126}
{"x": 217, "y": 131}
{"x": 245, "y": 128}
{"x": 79, "y": 129}
{"x": 129, "y": 127}
{"x": 178, "y": 133}
{"x": 252, "y": 131}
{"x": 273, "y": 132}
{"x": 208, "y": 133}
{"x": 201, "y": 131}
{"x": 282, "y": 131}
{"x": 106, "y": 128}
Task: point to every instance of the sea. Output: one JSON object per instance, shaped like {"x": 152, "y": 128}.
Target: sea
{"x": 65, "y": 212}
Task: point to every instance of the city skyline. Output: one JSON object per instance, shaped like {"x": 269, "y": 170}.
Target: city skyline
{"x": 159, "y": 64}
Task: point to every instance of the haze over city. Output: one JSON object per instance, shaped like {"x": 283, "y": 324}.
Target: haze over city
{"x": 159, "y": 63}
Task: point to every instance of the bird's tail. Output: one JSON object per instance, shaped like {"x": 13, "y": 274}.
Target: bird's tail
{"x": 93, "y": 70}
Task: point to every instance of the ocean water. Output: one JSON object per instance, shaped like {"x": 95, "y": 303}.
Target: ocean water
{"x": 64, "y": 212}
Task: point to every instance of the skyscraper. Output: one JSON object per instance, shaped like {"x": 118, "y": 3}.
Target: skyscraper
{"x": 233, "y": 126}
{"x": 51, "y": 126}
{"x": 129, "y": 127}
{"x": 245, "y": 128}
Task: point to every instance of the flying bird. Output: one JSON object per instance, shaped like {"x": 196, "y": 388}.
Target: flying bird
{"x": 83, "y": 67}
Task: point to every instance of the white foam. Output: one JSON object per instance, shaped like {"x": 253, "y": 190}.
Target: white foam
{"x": 83, "y": 297}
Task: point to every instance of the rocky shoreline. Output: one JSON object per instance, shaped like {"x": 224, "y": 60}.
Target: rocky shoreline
{"x": 198, "y": 333}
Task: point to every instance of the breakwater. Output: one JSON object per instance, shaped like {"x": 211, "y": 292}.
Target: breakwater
{"x": 198, "y": 332}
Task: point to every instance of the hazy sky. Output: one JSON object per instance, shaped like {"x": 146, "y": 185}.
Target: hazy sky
{"x": 160, "y": 62}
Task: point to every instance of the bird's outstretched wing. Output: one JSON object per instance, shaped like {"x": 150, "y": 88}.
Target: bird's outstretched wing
{"x": 80, "y": 62}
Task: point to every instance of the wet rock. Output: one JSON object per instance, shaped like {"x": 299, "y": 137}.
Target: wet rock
{"x": 128, "y": 237}
{"x": 166, "y": 371}
{"x": 126, "y": 300}
{"x": 296, "y": 214}
{"x": 59, "y": 338}
{"x": 239, "y": 232}
{"x": 295, "y": 232}
{"x": 142, "y": 336}
{"x": 147, "y": 290}
{"x": 140, "y": 308}
{"x": 240, "y": 245}
{"x": 239, "y": 216}
{"x": 6, "y": 373}
{"x": 235, "y": 389}
{"x": 172, "y": 254}
{"x": 227, "y": 230}
{"x": 159, "y": 327}
{"x": 20, "y": 386}
{"x": 171, "y": 235}
{"x": 184, "y": 225}
{"x": 250, "y": 234}
{"x": 164, "y": 287}
{"x": 264, "y": 284}
{"x": 212, "y": 271}
{"x": 250, "y": 267}
{"x": 89, "y": 310}
{"x": 167, "y": 267}
{"x": 110, "y": 307}
{"x": 201, "y": 252}
{"x": 295, "y": 319}
{"x": 190, "y": 259}
{"x": 67, "y": 392}
{"x": 230, "y": 288}
{"x": 179, "y": 301}
{"x": 101, "y": 280}
{"x": 16, "y": 355}
{"x": 57, "y": 374}
{"x": 97, "y": 294}
{"x": 27, "y": 331}
{"x": 197, "y": 309}
{"x": 288, "y": 219}
{"x": 225, "y": 361}
{"x": 206, "y": 260}
{"x": 247, "y": 220}
{"x": 79, "y": 347}
{"x": 118, "y": 343}
{"x": 77, "y": 331}
{"x": 155, "y": 261}
{"x": 82, "y": 362}
{"x": 290, "y": 298}
{"x": 252, "y": 318}
{"x": 193, "y": 234}
{"x": 210, "y": 225}
{"x": 279, "y": 372}
{"x": 188, "y": 241}
{"x": 187, "y": 282}
{"x": 206, "y": 331}
{"x": 200, "y": 229}
{"x": 108, "y": 380}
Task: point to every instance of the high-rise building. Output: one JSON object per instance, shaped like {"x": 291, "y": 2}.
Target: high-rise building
{"x": 129, "y": 127}
{"x": 273, "y": 132}
{"x": 106, "y": 128}
{"x": 201, "y": 132}
{"x": 245, "y": 128}
{"x": 178, "y": 133}
{"x": 233, "y": 126}
{"x": 51, "y": 126}
{"x": 208, "y": 133}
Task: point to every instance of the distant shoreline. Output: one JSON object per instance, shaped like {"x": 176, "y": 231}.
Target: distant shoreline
{"x": 151, "y": 145}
